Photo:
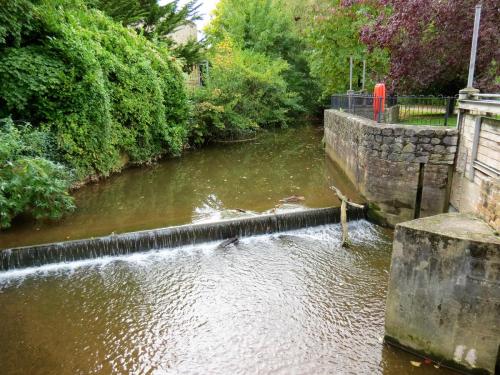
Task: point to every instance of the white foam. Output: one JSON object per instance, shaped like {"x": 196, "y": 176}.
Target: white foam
{"x": 360, "y": 231}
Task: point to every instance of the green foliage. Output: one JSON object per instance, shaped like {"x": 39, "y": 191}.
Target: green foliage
{"x": 102, "y": 90}
{"x": 30, "y": 183}
{"x": 333, "y": 33}
{"x": 157, "y": 22}
{"x": 268, "y": 27}
{"x": 246, "y": 90}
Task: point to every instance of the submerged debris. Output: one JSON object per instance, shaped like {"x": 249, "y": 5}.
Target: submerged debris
{"x": 229, "y": 241}
{"x": 293, "y": 199}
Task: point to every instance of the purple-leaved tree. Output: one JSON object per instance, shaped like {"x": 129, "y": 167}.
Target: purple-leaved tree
{"x": 429, "y": 43}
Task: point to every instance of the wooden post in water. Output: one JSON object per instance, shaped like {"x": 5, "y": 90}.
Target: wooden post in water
{"x": 343, "y": 214}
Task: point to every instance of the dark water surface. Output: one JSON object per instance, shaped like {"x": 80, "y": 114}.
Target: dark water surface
{"x": 291, "y": 303}
{"x": 202, "y": 185}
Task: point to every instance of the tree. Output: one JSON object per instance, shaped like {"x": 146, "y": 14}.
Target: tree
{"x": 267, "y": 27}
{"x": 246, "y": 91}
{"x": 157, "y": 22}
{"x": 429, "y": 44}
{"x": 333, "y": 33}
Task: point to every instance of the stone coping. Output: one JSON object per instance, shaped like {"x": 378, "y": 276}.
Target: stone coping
{"x": 456, "y": 225}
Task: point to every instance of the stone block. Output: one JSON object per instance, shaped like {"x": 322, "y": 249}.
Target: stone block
{"x": 450, "y": 140}
{"x": 396, "y": 147}
{"x": 388, "y": 140}
{"x": 435, "y": 141}
{"x": 409, "y": 147}
{"x": 408, "y": 156}
{"x": 399, "y": 132}
{"x": 409, "y": 132}
{"x": 395, "y": 156}
{"x": 443, "y": 293}
{"x": 439, "y": 149}
{"x": 387, "y": 131}
{"x": 424, "y": 139}
{"x": 426, "y": 133}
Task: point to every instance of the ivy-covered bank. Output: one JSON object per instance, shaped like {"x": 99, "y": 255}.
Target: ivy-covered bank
{"x": 80, "y": 95}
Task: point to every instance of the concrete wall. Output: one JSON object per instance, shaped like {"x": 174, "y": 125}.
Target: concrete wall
{"x": 444, "y": 296}
{"x": 385, "y": 162}
{"x": 476, "y": 185}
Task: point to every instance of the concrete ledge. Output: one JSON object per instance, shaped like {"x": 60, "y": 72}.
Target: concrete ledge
{"x": 169, "y": 237}
{"x": 444, "y": 291}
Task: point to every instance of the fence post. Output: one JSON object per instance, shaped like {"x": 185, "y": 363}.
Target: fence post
{"x": 380, "y": 110}
{"x": 447, "y": 111}
{"x": 350, "y": 98}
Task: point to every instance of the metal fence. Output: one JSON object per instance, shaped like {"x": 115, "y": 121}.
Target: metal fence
{"x": 400, "y": 109}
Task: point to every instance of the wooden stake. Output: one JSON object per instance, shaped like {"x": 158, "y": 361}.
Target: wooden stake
{"x": 343, "y": 214}
{"x": 343, "y": 221}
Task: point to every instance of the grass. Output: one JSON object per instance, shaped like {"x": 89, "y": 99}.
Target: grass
{"x": 424, "y": 114}
{"x": 433, "y": 120}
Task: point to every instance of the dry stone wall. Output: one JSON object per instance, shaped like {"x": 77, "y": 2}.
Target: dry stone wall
{"x": 403, "y": 170}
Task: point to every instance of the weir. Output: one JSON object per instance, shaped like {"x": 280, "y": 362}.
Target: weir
{"x": 170, "y": 237}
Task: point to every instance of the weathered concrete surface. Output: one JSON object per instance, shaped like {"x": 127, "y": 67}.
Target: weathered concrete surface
{"x": 384, "y": 161}
{"x": 444, "y": 291}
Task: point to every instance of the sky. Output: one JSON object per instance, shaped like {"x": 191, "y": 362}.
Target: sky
{"x": 205, "y": 9}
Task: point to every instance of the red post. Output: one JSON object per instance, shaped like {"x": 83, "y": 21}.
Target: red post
{"x": 378, "y": 101}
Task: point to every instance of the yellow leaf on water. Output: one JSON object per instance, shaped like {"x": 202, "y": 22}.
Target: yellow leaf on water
{"x": 415, "y": 363}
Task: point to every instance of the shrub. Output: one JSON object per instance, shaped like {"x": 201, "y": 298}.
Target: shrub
{"x": 30, "y": 183}
{"x": 246, "y": 90}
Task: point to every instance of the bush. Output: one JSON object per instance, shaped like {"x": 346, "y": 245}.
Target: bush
{"x": 30, "y": 183}
{"x": 102, "y": 90}
{"x": 246, "y": 90}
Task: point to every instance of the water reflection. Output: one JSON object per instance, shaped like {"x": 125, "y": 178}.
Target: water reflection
{"x": 202, "y": 185}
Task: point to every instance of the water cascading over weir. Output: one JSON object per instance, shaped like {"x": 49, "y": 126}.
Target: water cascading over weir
{"x": 170, "y": 237}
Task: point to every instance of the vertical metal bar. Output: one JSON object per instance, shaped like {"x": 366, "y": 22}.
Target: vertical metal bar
{"x": 447, "y": 111}
{"x": 350, "y": 73}
{"x": 379, "y": 117}
{"x": 475, "y": 144}
{"x": 364, "y": 75}
{"x": 473, "y": 51}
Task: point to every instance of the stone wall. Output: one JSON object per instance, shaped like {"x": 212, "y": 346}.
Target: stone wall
{"x": 389, "y": 162}
{"x": 443, "y": 298}
{"x": 476, "y": 183}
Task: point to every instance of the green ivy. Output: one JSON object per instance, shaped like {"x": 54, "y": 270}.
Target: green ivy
{"x": 102, "y": 90}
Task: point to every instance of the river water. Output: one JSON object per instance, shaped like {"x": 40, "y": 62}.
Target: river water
{"x": 289, "y": 303}
{"x": 202, "y": 185}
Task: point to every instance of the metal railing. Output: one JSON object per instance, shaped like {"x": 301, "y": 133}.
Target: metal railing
{"x": 400, "y": 109}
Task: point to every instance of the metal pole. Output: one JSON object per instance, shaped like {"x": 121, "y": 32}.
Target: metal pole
{"x": 447, "y": 111}
{"x": 364, "y": 75}
{"x": 379, "y": 117}
{"x": 350, "y": 73}
{"x": 473, "y": 51}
